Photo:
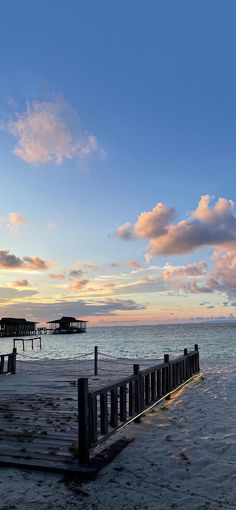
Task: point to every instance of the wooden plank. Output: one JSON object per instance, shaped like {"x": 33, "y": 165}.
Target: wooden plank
{"x": 159, "y": 383}
{"x": 137, "y": 391}
{"x": 93, "y": 419}
{"x": 123, "y": 412}
{"x": 147, "y": 389}
{"x": 141, "y": 382}
{"x": 103, "y": 414}
{"x": 164, "y": 380}
{"x": 153, "y": 387}
{"x": 114, "y": 408}
{"x": 131, "y": 399}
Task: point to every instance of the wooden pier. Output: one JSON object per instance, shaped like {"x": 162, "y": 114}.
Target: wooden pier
{"x": 49, "y": 422}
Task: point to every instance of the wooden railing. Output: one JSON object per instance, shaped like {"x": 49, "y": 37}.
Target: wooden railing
{"x": 106, "y": 410}
{"x": 32, "y": 340}
{"x": 8, "y": 363}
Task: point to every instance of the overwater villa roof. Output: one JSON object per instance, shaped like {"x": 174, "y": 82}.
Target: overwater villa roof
{"x": 10, "y": 320}
{"x": 65, "y": 319}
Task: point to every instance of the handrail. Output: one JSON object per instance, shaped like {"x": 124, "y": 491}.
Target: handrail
{"x": 11, "y": 363}
{"x": 105, "y": 410}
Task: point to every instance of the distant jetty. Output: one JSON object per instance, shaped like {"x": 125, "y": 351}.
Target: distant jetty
{"x": 16, "y": 327}
{"x": 67, "y": 325}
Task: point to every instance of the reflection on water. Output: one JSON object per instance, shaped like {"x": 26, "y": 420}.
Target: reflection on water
{"x": 214, "y": 340}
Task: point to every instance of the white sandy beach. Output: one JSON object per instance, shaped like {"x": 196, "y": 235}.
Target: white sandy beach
{"x": 183, "y": 457}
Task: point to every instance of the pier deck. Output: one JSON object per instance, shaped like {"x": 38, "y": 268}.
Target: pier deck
{"x": 39, "y": 411}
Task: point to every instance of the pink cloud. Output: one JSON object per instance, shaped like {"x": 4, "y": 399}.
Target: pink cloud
{"x": 223, "y": 274}
{"x": 9, "y": 261}
{"x": 80, "y": 284}
{"x": 132, "y": 264}
{"x": 126, "y": 232}
{"x": 16, "y": 219}
{"x": 115, "y": 264}
{"x": 21, "y": 283}
{"x": 87, "y": 265}
{"x": 57, "y": 276}
{"x": 152, "y": 223}
{"x": 13, "y": 221}
{"x": 189, "y": 270}
{"x": 51, "y": 131}
{"x": 207, "y": 226}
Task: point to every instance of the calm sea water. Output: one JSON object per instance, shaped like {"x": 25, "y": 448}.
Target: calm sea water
{"x": 214, "y": 340}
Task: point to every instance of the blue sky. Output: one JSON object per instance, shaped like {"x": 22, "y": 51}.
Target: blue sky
{"x": 153, "y": 84}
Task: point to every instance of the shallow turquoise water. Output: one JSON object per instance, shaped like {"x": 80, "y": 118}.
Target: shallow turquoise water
{"x": 214, "y": 340}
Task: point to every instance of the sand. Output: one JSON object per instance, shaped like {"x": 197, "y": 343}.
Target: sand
{"x": 183, "y": 457}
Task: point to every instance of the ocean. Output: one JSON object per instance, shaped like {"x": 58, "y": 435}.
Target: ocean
{"x": 215, "y": 341}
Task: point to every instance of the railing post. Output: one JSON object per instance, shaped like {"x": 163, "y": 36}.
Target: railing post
{"x": 186, "y": 362}
{"x": 83, "y": 421}
{"x": 197, "y": 357}
{"x": 96, "y": 360}
{"x": 137, "y": 392}
{"x": 14, "y": 360}
{"x": 168, "y": 378}
{"x": 9, "y": 363}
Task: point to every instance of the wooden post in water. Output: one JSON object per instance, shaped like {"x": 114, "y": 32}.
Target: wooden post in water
{"x": 83, "y": 420}
{"x": 137, "y": 393}
{"x": 96, "y": 360}
{"x": 40, "y": 342}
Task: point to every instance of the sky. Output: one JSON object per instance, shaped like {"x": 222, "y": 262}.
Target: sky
{"x": 118, "y": 161}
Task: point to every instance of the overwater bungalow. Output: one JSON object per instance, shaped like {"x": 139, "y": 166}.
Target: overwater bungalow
{"x": 16, "y": 327}
{"x": 67, "y": 325}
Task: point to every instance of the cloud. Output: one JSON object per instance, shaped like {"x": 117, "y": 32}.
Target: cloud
{"x": 143, "y": 285}
{"x": 50, "y": 131}
{"x": 126, "y": 232}
{"x": 149, "y": 223}
{"x": 115, "y": 264}
{"x": 57, "y": 276}
{"x": 207, "y": 226}
{"x": 152, "y": 223}
{"x": 9, "y": 261}
{"x": 189, "y": 270}
{"x": 75, "y": 273}
{"x": 78, "y": 285}
{"x": 191, "y": 278}
{"x": 13, "y": 221}
{"x": 8, "y": 294}
{"x": 222, "y": 278}
{"x": 194, "y": 278}
{"x": 148, "y": 257}
{"x": 47, "y": 311}
{"x": 21, "y": 283}
{"x": 16, "y": 219}
{"x": 87, "y": 265}
{"x": 132, "y": 264}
